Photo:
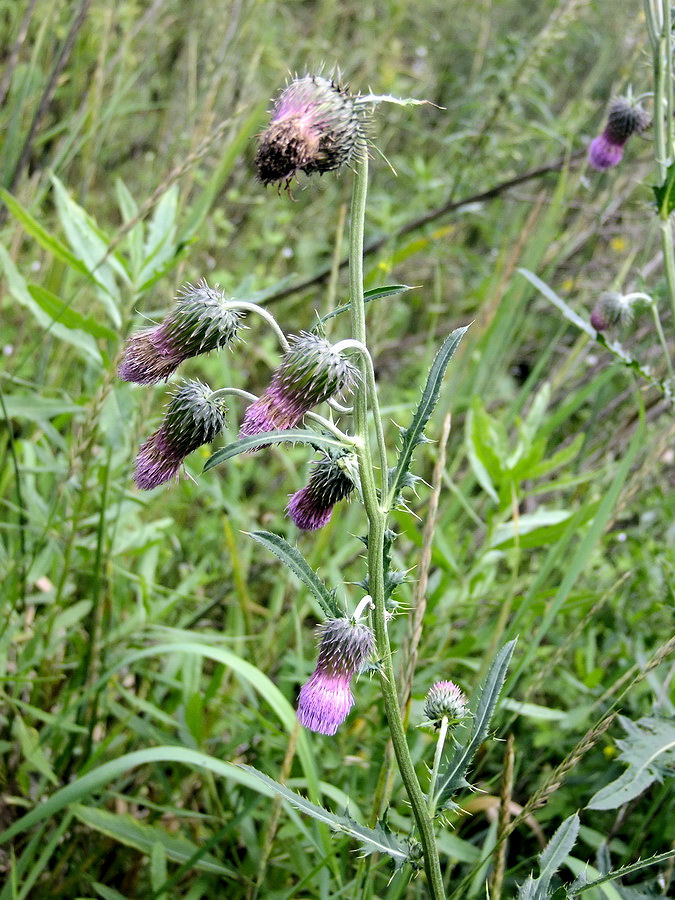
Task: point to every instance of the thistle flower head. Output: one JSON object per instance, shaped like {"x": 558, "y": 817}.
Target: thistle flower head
{"x": 200, "y": 321}
{"x": 310, "y": 372}
{"x": 611, "y": 309}
{"x": 326, "y": 698}
{"x": 193, "y": 417}
{"x": 445, "y": 699}
{"x": 332, "y": 479}
{"x": 623, "y": 120}
{"x": 316, "y": 126}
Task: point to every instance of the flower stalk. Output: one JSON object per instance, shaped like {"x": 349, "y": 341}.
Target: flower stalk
{"x": 377, "y": 523}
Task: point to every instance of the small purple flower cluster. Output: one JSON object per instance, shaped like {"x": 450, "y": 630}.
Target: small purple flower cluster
{"x": 623, "y": 121}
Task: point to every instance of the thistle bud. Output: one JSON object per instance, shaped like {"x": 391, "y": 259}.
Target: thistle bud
{"x": 199, "y": 323}
{"x": 445, "y": 700}
{"x": 611, "y": 309}
{"x": 325, "y": 700}
{"x": 316, "y": 126}
{"x": 193, "y": 417}
{"x": 624, "y": 120}
{"x": 310, "y": 372}
{"x": 332, "y": 479}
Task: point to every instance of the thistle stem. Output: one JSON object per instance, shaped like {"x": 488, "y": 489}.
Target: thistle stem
{"x": 438, "y": 755}
{"x": 267, "y": 316}
{"x": 377, "y": 523}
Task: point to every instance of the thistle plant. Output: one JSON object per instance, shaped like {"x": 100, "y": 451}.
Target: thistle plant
{"x": 317, "y": 126}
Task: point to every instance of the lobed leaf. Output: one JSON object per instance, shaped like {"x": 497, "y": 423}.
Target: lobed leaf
{"x": 254, "y": 442}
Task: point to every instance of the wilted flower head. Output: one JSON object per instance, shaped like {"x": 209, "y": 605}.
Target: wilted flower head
{"x": 193, "y": 417}
{"x": 332, "y": 479}
{"x": 316, "y": 126}
{"x": 445, "y": 699}
{"x": 200, "y": 322}
{"x": 610, "y": 309}
{"x": 326, "y": 698}
{"x": 624, "y": 120}
{"x": 310, "y": 372}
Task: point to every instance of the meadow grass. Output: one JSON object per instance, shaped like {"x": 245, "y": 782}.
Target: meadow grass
{"x": 148, "y": 646}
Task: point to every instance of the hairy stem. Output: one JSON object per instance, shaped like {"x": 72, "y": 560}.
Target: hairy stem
{"x": 377, "y": 522}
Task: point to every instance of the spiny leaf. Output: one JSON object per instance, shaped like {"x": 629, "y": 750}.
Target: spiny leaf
{"x": 253, "y": 442}
{"x": 581, "y": 884}
{"x": 453, "y": 774}
{"x": 414, "y": 433}
{"x": 664, "y": 193}
{"x": 372, "y": 840}
{"x": 649, "y": 751}
{"x": 295, "y": 561}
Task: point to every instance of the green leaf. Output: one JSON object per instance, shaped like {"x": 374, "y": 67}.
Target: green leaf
{"x": 413, "y": 435}
{"x": 533, "y": 529}
{"x": 581, "y": 884}
{"x": 20, "y": 292}
{"x": 373, "y": 294}
{"x": 295, "y": 561}
{"x": 149, "y": 839}
{"x": 664, "y": 194}
{"x": 371, "y": 840}
{"x": 107, "y": 893}
{"x": 649, "y": 751}
{"x": 46, "y": 240}
{"x": 59, "y": 311}
{"x": 160, "y": 243}
{"x": 36, "y": 408}
{"x": 34, "y": 755}
{"x": 550, "y": 860}
{"x": 292, "y": 436}
{"x": 452, "y": 776}
{"x": 479, "y": 440}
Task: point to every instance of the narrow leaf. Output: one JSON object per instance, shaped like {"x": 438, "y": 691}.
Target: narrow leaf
{"x": 295, "y": 561}
{"x": 453, "y": 774}
{"x": 372, "y": 840}
{"x": 413, "y": 435}
{"x": 253, "y": 442}
{"x": 373, "y": 294}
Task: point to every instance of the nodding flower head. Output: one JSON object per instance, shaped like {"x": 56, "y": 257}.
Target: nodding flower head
{"x": 445, "y": 700}
{"x": 611, "y": 309}
{"x": 201, "y": 321}
{"x": 326, "y": 698}
{"x": 310, "y": 372}
{"x": 332, "y": 479}
{"x": 316, "y": 126}
{"x": 193, "y": 417}
{"x": 624, "y": 120}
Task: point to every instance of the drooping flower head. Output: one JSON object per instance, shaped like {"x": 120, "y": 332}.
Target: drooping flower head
{"x": 332, "y": 479}
{"x": 611, "y": 309}
{"x": 193, "y": 417}
{"x": 326, "y": 698}
{"x": 200, "y": 322}
{"x": 316, "y": 126}
{"x": 445, "y": 699}
{"x": 624, "y": 120}
{"x": 310, "y": 372}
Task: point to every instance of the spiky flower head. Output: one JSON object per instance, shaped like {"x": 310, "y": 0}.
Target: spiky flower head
{"x": 611, "y": 309}
{"x": 193, "y": 417}
{"x": 332, "y": 479}
{"x": 326, "y": 698}
{"x": 310, "y": 372}
{"x": 316, "y": 126}
{"x": 201, "y": 321}
{"x": 445, "y": 699}
{"x": 623, "y": 121}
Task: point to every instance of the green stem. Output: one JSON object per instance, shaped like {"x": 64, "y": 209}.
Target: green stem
{"x": 438, "y": 755}
{"x": 377, "y": 523}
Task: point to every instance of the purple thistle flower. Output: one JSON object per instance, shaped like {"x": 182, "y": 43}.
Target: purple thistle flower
{"x": 624, "y": 120}
{"x": 316, "y": 126}
{"x": 331, "y": 480}
{"x": 611, "y": 309}
{"x": 193, "y": 418}
{"x": 445, "y": 700}
{"x": 310, "y": 372}
{"x": 199, "y": 323}
{"x": 325, "y": 700}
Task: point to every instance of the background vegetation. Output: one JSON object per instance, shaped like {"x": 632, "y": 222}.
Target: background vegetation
{"x": 133, "y": 621}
